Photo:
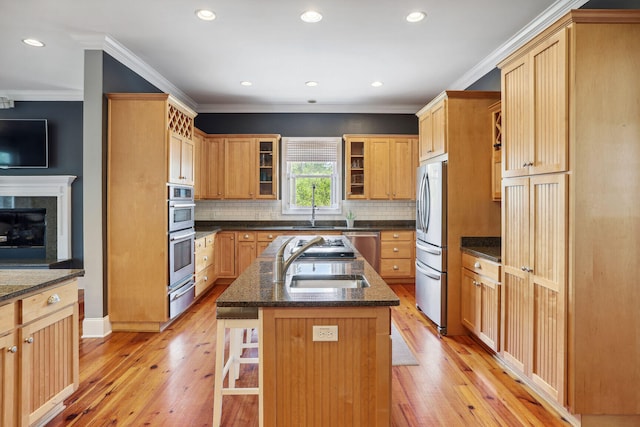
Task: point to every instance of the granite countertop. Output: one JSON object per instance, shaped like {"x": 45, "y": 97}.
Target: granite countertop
{"x": 202, "y": 226}
{"x": 484, "y": 247}
{"x": 14, "y": 283}
{"x": 255, "y": 287}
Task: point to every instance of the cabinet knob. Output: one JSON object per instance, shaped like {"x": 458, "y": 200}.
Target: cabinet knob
{"x": 395, "y": 267}
{"x": 29, "y": 340}
{"x": 270, "y": 236}
{"x": 396, "y": 250}
{"x": 246, "y": 236}
{"x": 395, "y": 236}
{"x": 53, "y": 299}
{"x": 477, "y": 265}
{"x": 206, "y": 278}
{"x": 205, "y": 258}
{"x": 12, "y": 349}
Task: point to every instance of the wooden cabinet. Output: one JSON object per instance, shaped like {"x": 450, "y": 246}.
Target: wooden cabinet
{"x": 264, "y": 239}
{"x": 8, "y": 366}
{"x": 225, "y": 254}
{"x": 495, "y": 114}
{"x": 181, "y": 159}
{"x": 251, "y": 167}
{"x": 141, "y": 130}
{"x": 481, "y": 299}
{"x": 48, "y": 351}
{"x": 205, "y": 263}
{"x": 535, "y": 278}
{"x": 214, "y": 168}
{"x": 397, "y": 255}
{"x": 567, "y": 92}
{"x": 329, "y": 383}
{"x": 381, "y": 167}
{"x": 246, "y": 250}
{"x": 199, "y": 164}
{"x": 432, "y": 125}
{"x": 534, "y": 92}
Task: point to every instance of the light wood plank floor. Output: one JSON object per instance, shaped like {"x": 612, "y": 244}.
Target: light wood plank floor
{"x": 138, "y": 379}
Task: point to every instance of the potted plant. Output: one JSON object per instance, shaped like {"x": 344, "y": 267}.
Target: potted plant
{"x": 350, "y": 219}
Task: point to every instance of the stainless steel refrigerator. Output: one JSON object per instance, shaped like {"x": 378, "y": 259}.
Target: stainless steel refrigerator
{"x": 431, "y": 238}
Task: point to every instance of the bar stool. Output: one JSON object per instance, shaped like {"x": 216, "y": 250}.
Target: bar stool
{"x": 240, "y": 321}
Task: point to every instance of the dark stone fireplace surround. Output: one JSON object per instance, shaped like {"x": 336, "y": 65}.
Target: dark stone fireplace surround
{"x": 51, "y": 244}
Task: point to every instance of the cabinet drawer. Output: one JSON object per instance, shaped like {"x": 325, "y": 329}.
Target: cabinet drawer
{"x": 399, "y": 249}
{"x": 396, "y": 268}
{"x": 7, "y": 317}
{"x": 246, "y": 236}
{"x": 204, "y": 257}
{"x": 392, "y": 235}
{"x": 267, "y": 236}
{"x": 481, "y": 266}
{"x": 48, "y": 301}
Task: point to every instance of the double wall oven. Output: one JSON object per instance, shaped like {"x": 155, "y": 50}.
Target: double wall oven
{"x": 181, "y": 240}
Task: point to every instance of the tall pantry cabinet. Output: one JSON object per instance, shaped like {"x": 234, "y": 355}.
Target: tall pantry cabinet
{"x": 150, "y": 143}
{"x": 571, "y": 214}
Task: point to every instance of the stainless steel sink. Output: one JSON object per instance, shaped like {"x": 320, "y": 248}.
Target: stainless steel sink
{"x": 329, "y": 281}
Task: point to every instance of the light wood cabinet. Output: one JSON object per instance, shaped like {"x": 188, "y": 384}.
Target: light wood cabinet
{"x": 351, "y": 375}
{"x": 181, "y": 159}
{"x": 534, "y": 91}
{"x": 199, "y": 165}
{"x": 495, "y": 113}
{"x": 246, "y": 250}
{"x": 8, "y": 366}
{"x": 214, "y": 168}
{"x": 251, "y": 167}
{"x": 264, "y": 239}
{"x": 205, "y": 263}
{"x": 48, "y": 350}
{"x": 481, "y": 299}
{"x": 381, "y": 167}
{"x": 397, "y": 255}
{"x": 432, "y": 125}
{"x": 567, "y": 92}
{"x": 141, "y": 129}
{"x": 225, "y": 255}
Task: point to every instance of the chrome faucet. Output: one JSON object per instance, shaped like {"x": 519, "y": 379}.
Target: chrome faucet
{"x": 313, "y": 205}
{"x": 280, "y": 266}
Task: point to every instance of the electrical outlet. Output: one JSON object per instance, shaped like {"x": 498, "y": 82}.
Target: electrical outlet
{"x": 325, "y": 333}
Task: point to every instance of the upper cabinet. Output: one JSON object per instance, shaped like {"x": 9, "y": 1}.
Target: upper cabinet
{"x": 381, "y": 167}
{"x": 534, "y": 94}
{"x": 432, "y": 124}
{"x": 181, "y": 146}
{"x": 495, "y": 114}
{"x": 239, "y": 167}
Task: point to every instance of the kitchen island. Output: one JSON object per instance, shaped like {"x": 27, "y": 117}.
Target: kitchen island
{"x": 309, "y": 375}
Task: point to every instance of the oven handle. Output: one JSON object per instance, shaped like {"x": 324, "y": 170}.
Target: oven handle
{"x": 178, "y": 296}
{"x": 181, "y": 236}
{"x": 428, "y": 250}
{"x": 181, "y": 205}
{"x": 426, "y": 273}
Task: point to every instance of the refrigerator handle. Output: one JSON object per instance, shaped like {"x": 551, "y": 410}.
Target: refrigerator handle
{"x": 426, "y": 273}
{"x": 428, "y": 250}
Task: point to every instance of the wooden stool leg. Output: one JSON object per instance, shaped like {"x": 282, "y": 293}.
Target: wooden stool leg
{"x": 219, "y": 377}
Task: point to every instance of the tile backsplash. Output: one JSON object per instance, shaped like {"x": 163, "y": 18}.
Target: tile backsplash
{"x": 236, "y": 210}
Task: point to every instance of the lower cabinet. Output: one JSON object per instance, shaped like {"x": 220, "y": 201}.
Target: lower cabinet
{"x": 205, "y": 263}
{"x": 8, "y": 366}
{"x": 481, "y": 299}
{"x": 225, "y": 243}
{"x": 246, "y": 250}
{"x": 397, "y": 255}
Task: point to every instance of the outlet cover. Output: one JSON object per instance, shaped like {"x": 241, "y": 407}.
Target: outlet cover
{"x": 325, "y": 332}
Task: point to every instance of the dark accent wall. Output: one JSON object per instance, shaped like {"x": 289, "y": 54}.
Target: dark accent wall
{"x": 611, "y": 4}
{"x": 117, "y": 77}
{"x": 490, "y": 81}
{"x": 307, "y": 124}
{"x": 64, "y": 119}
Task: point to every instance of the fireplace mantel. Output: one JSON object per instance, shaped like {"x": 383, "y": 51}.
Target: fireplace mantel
{"x": 58, "y": 186}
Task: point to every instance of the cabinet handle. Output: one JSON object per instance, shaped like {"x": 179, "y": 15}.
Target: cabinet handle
{"x": 396, "y": 250}
{"x": 526, "y": 269}
{"x": 13, "y": 349}
{"x": 395, "y": 236}
{"x": 29, "y": 340}
{"x": 395, "y": 267}
{"x": 53, "y": 299}
{"x": 206, "y": 278}
{"x": 246, "y": 236}
{"x": 270, "y": 236}
{"x": 205, "y": 258}
{"x": 477, "y": 265}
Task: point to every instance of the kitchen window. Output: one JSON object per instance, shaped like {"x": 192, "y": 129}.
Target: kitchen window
{"x": 309, "y": 161}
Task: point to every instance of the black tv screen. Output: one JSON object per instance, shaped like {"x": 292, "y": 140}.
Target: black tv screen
{"x": 24, "y": 143}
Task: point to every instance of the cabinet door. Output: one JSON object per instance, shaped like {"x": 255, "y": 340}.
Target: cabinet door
{"x": 516, "y": 296}
{"x": 181, "y": 159}
{"x": 426, "y": 137}
{"x": 240, "y": 168}
{"x": 548, "y": 281}
{"x": 199, "y": 168}
{"x": 488, "y": 305}
{"x": 245, "y": 250}
{"x": 402, "y": 169}
{"x": 8, "y": 380}
{"x": 469, "y": 292}
{"x": 267, "y": 168}
{"x": 439, "y": 128}
{"x": 549, "y": 92}
{"x": 357, "y": 159}
{"x": 225, "y": 254}
{"x": 48, "y": 345}
{"x": 378, "y": 169}
{"x": 517, "y": 114}
{"x": 215, "y": 168}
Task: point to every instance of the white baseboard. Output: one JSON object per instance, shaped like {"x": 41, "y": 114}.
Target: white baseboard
{"x": 98, "y": 327}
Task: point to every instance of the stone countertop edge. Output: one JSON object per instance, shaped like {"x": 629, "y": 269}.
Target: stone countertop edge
{"x": 202, "y": 226}
{"x": 485, "y": 247}
{"x": 255, "y": 287}
{"x": 15, "y": 283}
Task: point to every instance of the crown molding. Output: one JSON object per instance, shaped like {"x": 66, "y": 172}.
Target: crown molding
{"x": 43, "y": 95}
{"x": 554, "y": 12}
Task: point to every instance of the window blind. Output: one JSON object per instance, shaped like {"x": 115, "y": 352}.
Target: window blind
{"x": 312, "y": 150}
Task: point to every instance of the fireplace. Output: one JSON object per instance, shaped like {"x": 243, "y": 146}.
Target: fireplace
{"x": 42, "y": 203}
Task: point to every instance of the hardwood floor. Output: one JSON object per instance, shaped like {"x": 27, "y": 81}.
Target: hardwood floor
{"x": 166, "y": 379}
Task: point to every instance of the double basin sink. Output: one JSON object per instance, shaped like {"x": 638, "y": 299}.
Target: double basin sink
{"x": 328, "y": 281}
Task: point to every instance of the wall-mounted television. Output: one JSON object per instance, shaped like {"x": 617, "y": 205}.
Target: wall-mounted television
{"x": 24, "y": 143}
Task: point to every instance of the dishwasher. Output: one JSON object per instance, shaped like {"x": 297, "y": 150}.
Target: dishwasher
{"x": 368, "y": 244}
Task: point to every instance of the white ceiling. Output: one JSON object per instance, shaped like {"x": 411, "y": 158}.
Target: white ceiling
{"x": 265, "y": 42}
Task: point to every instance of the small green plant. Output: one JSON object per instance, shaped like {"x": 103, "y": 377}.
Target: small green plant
{"x": 350, "y": 215}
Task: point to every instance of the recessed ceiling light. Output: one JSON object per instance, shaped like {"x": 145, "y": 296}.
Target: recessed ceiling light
{"x": 311, "y": 83}
{"x": 377, "y": 84}
{"x": 246, "y": 83}
{"x": 311, "y": 16}
{"x": 205, "y": 14}
{"x": 33, "y": 42}
{"x": 416, "y": 16}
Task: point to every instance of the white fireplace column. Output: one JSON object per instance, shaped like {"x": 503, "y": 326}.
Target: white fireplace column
{"x": 58, "y": 186}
